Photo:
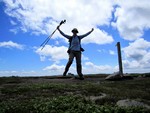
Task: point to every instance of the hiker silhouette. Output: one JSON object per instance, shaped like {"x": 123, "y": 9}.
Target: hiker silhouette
{"x": 74, "y": 50}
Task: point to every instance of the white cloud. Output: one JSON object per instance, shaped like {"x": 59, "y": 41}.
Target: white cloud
{"x": 54, "y": 67}
{"x": 11, "y": 44}
{"x": 92, "y": 68}
{"x": 53, "y": 53}
{"x": 42, "y": 16}
{"x": 137, "y": 49}
{"x": 111, "y": 52}
{"x": 15, "y": 30}
{"x": 98, "y": 37}
{"x": 102, "y": 51}
{"x": 132, "y": 18}
{"x": 57, "y": 42}
{"x": 13, "y": 22}
{"x": 137, "y": 55}
{"x": 133, "y": 66}
{"x": 87, "y": 68}
{"x": 21, "y": 73}
{"x": 85, "y": 58}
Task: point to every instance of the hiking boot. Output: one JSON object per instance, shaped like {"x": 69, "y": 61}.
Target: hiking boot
{"x": 76, "y": 77}
{"x": 64, "y": 74}
{"x": 81, "y": 78}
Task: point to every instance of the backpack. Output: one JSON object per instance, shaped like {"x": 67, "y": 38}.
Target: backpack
{"x": 70, "y": 40}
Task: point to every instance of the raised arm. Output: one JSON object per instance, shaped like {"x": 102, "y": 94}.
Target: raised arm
{"x": 63, "y": 34}
{"x": 86, "y": 34}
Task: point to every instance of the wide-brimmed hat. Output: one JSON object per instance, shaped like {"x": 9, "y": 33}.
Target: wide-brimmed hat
{"x": 75, "y": 30}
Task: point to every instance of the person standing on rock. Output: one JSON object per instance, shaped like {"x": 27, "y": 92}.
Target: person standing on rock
{"x": 74, "y": 50}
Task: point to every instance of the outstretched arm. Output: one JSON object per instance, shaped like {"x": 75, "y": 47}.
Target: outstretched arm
{"x": 62, "y": 33}
{"x": 86, "y": 34}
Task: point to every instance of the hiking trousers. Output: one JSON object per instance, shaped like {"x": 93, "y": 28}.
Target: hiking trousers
{"x": 77, "y": 55}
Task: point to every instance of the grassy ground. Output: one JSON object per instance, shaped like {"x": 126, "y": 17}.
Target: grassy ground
{"x": 47, "y": 95}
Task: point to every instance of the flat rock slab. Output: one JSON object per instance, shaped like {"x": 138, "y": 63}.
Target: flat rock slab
{"x": 131, "y": 103}
{"x": 115, "y": 76}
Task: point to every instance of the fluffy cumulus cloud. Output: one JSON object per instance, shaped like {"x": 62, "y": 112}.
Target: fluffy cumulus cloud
{"x": 92, "y": 68}
{"x": 54, "y": 67}
{"x": 98, "y": 37}
{"x": 137, "y": 49}
{"x": 42, "y": 16}
{"x": 132, "y": 18}
{"x": 87, "y": 68}
{"x": 53, "y": 53}
{"x": 137, "y": 55}
{"x": 11, "y": 44}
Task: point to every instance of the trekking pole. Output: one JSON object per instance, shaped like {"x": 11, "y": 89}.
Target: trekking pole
{"x": 48, "y": 38}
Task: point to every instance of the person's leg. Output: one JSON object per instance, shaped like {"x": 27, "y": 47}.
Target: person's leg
{"x": 71, "y": 57}
{"x": 78, "y": 64}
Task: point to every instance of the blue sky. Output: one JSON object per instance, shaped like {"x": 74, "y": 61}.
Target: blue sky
{"x": 24, "y": 25}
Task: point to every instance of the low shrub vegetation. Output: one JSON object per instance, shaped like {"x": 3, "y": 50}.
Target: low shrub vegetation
{"x": 73, "y": 97}
{"x": 63, "y": 104}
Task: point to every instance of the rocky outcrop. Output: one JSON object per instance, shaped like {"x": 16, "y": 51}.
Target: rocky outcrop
{"x": 114, "y": 76}
{"x": 118, "y": 76}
